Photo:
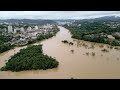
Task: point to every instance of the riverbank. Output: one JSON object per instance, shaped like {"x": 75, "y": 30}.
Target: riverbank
{"x": 95, "y": 32}
{"x": 39, "y": 38}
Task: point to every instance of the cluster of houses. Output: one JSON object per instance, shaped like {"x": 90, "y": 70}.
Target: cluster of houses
{"x": 29, "y": 33}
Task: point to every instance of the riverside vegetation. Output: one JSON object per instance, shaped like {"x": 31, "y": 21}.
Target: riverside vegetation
{"x": 5, "y": 44}
{"x": 96, "y": 31}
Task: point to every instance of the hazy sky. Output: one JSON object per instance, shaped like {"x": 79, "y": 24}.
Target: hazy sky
{"x": 55, "y": 14}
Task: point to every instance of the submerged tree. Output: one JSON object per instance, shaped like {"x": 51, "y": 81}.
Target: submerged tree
{"x": 71, "y": 43}
{"x": 87, "y": 53}
{"x": 93, "y": 53}
{"x": 72, "y": 51}
{"x": 104, "y": 50}
{"x": 65, "y": 41}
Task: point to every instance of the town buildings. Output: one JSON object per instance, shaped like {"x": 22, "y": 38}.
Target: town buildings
{"x": 22, "y": 33}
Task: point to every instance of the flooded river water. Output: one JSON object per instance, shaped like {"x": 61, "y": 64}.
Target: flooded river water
{"x": 75, "y": 64}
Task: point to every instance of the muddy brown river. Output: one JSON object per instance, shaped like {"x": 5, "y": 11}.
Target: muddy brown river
{"x": 76, "y": 64}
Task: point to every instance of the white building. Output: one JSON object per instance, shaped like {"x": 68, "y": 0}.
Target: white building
{"x": 29, "y": 28}
{"x": 10, "y": 29}
{"x": 22, "y": 29}
{"x": 36, "y": 27}
{"x": 16, "y": 29}
{"x": 110, "y": 37}
{"x": 79, "y": 24}
{"x": 22, "y": 39}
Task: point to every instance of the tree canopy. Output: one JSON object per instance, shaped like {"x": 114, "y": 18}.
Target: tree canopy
{"x": 31, "y": 58}
{"x": 96, "y": 32}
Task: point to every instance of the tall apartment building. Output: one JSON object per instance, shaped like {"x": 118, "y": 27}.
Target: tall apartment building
{"x": 10, "y": 29}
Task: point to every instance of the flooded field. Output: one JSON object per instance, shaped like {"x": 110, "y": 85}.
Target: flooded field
{"x": 82, "y": 60}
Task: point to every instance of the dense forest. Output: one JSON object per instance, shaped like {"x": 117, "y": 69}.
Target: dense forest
{"x": 96, "y": 31}
{"x": 31, "y": 58}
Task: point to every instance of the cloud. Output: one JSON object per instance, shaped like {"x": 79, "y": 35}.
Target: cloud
{"x": 55, "y": 14}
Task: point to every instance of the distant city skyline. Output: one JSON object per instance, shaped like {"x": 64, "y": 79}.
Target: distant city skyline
{"x": 56, "y": 14}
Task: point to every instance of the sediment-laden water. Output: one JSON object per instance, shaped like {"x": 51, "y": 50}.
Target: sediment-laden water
{"x": 78, "y": 63}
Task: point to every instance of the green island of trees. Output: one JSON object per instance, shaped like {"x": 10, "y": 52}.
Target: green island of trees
{"x": 96, "y": 32}
{"x": 31, "y": 58}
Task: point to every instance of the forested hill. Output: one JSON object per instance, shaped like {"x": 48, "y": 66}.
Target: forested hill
{"x": 105, "y": 18}
{"x": 38, "y": 21}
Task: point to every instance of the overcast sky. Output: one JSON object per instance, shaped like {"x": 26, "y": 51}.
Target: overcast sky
{"x": 55, "y": 14}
